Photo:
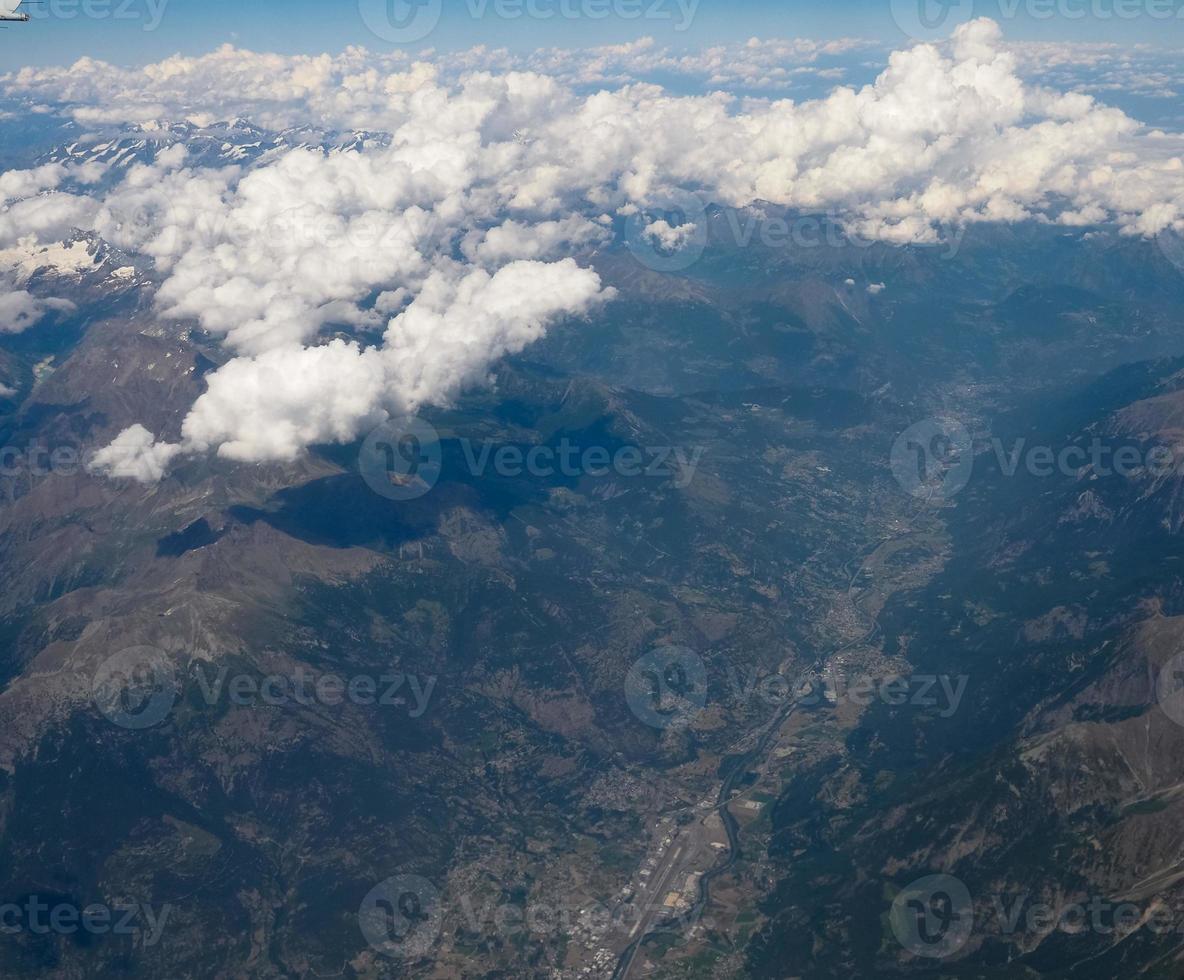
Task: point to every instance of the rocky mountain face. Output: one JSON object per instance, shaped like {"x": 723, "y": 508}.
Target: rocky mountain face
{"x": 502, "y": 611}
{"x": 491, "y": 744}
{"x": 1053, "y": 796}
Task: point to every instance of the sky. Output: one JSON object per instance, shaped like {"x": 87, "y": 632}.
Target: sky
{"x": 136, "y": 32}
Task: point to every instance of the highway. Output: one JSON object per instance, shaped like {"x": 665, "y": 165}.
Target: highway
{"x": 740, "y": 766}
{"x": 745, "y": 762}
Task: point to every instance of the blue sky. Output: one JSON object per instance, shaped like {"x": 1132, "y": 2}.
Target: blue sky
{"x": 114, "y": 30}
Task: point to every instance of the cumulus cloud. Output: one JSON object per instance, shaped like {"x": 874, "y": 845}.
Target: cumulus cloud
{"x": 1147, "y": 71}
{"x": 359, "y": 89}
{"x": 20, "y": 310}
{"x": 31, "y": 205}
{"x": 16, "y": 184}
{"x": 668, "y": 236}
{"x": 516, "y": 240}
{"x": 274, "y": 405}
{"x": 134, "y": 454}
{"x": 452, "y": 244}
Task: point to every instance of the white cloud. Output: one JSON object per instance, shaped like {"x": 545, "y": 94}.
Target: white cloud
{"x": 134, "y": 454}
{"x": 1105, "y": 68}
{"x": 274, "y": 405}
{"x": 458, "y": 229}
{"x": 546, "y": 239}
{"x": 668, "y": 236}
{"x": 359, "y": 89}
{"x": 16, "y": 184}
{"x": 20, "y": 310}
